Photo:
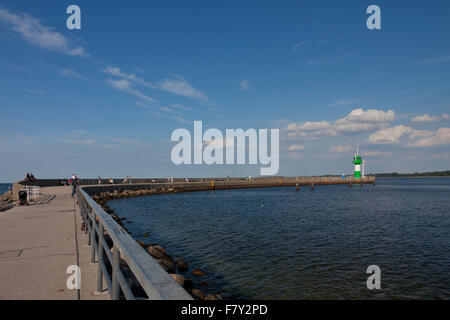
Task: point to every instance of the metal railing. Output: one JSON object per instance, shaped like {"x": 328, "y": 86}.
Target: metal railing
{"x": 32, "y": 192}
{"x": 151, "y": 277}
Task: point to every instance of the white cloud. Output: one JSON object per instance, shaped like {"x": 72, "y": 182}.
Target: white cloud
{"x": 440, "y": 138}
{"x": 296, "y": 147}
{"x": 177, "y": 85}
{"x": 425, "y": 118}
{"x": 437, "y": 60}
{"x": 142, "y": 104}
{"x": 34, "y": 32}
{"x": 348, "y": 54}
{"x": 183, "y": 120}
{"x": 420, "y": 134}
{"x": 446, "y": 116}
{"x": 371, "y": 115}
{"x": 310, "y": 130}
{"x": 114, "y": 71}
{"x": 309, "y": 126}
{"x": 167, "y": 109}
{"x": 356, "y": 121}
{"x": 341, "y": 149}
{"x": 299, "y": 46}
{"x": 72, "y": 74}
{"x": 222, "y": 143}
{"x": 181, "y": 107}
{"x": 389, "y": 135}
{"x": 245, "y": 85}
{"x": 354, "y": 127}
{"x": 375, "y": 153}
{"x": 393, "y": 135}
{"x": 125, "y": 85}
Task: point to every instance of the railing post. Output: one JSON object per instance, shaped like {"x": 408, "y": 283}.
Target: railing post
{"x": 115, "y": 281}
{"x": 100, "y": 258}
{"x": 88, "y": 225}
{"x": 93, "y": 238}
{"x": 86, "y": 220}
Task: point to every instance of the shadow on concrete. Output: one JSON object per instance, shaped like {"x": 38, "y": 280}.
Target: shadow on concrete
{"x": 43, "y": 200}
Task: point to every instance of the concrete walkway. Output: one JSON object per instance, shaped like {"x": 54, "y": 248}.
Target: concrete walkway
{"x": 38, "y": 243}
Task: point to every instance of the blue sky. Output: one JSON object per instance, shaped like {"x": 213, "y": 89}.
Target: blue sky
{"x": 105, "y": 99}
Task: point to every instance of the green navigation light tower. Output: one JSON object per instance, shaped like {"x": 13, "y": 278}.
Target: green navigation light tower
{"x": 357, "y": 161}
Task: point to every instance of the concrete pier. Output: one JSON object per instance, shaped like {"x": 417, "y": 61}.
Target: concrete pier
{"x": 38, "y": 243}
{"x": 204, "y": 184}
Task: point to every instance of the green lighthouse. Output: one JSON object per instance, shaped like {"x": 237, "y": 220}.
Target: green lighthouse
{"x": 357, "y": 161}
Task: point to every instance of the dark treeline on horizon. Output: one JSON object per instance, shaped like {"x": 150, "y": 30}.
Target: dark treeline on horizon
{"x": 415, "y": 174}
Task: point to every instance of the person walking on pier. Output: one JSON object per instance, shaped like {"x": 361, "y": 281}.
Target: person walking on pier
{"x": 74, "y": 186}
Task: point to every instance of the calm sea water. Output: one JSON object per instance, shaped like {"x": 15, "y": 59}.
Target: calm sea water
{"x": 4, "y": 187}
{"x": 280, "y": 244}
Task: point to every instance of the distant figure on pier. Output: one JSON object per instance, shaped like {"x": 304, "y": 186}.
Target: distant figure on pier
{"x": 23, "y": 197}
{"x": 111, "y": 181}
{"x": 29, "y": 177}
{"x": 74, "y": 186}
{"x": 99, "y": 180}
{"x": 127, "y": 179}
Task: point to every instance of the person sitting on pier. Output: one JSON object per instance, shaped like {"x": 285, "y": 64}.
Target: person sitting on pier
{"x": 27, "y": 177}
{"x": 32, "y": 179}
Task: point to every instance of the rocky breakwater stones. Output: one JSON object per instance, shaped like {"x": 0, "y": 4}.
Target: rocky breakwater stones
{"x": 164, "y": 260}
{"x": 6, "y": 201}
{"x": 198, "y": 272}
{"x": 168, "y": 264}
{"x": 105, "y": 196}
{"x": 182, "y": 265}
{"x": 178, "y": 278}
